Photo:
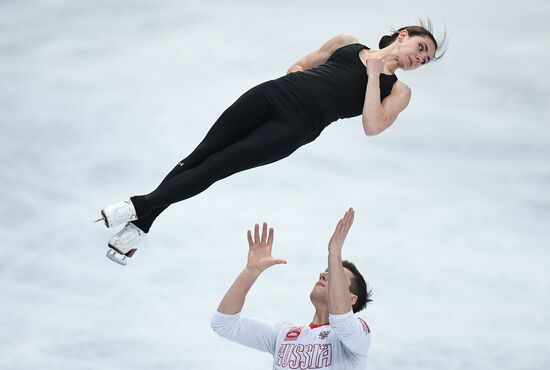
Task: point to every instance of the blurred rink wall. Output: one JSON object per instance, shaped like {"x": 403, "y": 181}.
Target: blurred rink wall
{"x": 99, "y": 100}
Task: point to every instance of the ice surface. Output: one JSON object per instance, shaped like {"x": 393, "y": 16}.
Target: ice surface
{"x": 99, "y": 99}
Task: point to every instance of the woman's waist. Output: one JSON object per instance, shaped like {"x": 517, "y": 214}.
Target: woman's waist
{"x": 321, "y": 106}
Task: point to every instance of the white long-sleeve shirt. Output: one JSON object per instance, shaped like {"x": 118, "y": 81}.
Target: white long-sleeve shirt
{"x": 341, "y": 344}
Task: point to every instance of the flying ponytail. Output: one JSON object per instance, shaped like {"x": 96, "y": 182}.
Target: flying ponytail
{"x": 424, "y": 30}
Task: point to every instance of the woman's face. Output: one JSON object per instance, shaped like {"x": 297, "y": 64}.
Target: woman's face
{"x": 414, "y": 51}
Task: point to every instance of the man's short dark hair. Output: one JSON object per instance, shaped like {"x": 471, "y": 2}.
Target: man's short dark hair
{"x": 358, "y": 287}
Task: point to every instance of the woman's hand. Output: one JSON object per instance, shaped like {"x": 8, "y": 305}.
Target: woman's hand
{"x": 375, "y": 66}
{"x": 259, "y": 250}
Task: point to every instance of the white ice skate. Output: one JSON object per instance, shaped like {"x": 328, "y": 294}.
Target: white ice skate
{"x": 122, "y": 243}
{"x": 118, "y": 214}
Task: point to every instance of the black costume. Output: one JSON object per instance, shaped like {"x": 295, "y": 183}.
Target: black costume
{"x": 266, "y": 124}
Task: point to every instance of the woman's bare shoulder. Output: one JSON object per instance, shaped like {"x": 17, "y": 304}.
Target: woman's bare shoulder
{"x": 337, "y": 42}
{"x": 401, "y": 87}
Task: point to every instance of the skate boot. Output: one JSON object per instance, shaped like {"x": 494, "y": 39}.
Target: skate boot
{"x": 122, "y": 243}
{"x": 118, "y": 214}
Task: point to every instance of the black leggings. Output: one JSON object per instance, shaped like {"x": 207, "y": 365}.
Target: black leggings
{"x": 248, "y": 134}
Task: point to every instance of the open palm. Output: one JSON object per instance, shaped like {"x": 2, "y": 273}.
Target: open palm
{"x": 259, "y": 249}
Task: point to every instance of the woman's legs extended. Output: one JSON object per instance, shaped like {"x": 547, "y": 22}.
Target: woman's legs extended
{"x": 243, "y": 117}
{"x": 271, "y": 141}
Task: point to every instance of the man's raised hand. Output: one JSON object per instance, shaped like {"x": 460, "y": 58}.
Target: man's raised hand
{"x": 337, "y": 240}
{"x": 259, "y": 249}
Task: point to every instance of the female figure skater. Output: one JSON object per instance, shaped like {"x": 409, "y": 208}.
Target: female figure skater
{"x": 270, "y": 121}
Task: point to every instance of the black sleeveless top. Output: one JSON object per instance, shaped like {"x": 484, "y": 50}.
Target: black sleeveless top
{"x": 324, "y": 94}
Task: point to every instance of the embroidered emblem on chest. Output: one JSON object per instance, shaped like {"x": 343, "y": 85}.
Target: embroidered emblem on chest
{"x": 293, "y": 334}
{"x": 324, "y": 334}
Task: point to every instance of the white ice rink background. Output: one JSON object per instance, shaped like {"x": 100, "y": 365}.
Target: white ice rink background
{"x": 99, "y": 99}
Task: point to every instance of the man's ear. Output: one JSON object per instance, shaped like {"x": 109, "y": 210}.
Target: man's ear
{"x": 353, "y": 299}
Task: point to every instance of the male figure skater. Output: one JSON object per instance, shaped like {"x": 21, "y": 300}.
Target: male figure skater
{"x": 335, "y": 339}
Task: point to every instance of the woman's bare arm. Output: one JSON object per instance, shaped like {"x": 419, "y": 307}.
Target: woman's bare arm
{"x": 320, "y": 56}
{"x": 378, "y": 116}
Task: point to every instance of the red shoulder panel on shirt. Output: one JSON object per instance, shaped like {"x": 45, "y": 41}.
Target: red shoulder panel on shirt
{"x": 366, "y": 328}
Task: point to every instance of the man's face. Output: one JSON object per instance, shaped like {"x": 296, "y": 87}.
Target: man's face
{"x": 320, "y": 289}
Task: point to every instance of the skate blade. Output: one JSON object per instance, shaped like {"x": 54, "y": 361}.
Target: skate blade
{"x": 114, "y": 256}
{"x": 104, "y": 219}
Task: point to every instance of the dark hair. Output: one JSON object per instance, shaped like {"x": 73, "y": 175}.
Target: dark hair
{"x": 425, "y": 29}
{"x": 358, "y": 287}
